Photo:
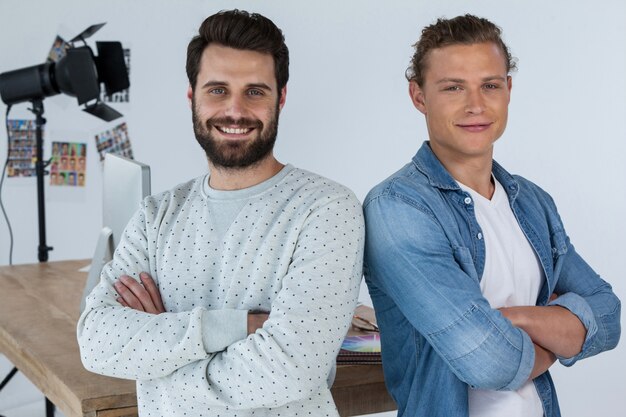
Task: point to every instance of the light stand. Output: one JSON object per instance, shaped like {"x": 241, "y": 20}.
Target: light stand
{"x": 40, "y": 166}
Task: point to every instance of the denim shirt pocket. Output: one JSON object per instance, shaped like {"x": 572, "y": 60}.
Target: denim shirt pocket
{"x": 463, "y": 257}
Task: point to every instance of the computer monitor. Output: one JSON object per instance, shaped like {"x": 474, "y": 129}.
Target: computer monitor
{"x": 126, "y": 183}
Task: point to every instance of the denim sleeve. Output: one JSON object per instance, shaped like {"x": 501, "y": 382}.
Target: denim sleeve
{"x": 591, "y": 299}
{"x": 433, "y": 282}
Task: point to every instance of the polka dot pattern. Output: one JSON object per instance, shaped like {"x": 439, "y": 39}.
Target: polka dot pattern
{"x": 292, "y": 245}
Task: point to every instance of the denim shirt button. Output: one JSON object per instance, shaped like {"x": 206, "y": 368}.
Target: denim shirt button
{"x": 479, "y": 236}
{"x": 468, "y": 200}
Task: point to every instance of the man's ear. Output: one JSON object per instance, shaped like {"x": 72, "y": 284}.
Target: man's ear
{"x": 417, "y": 96}
{"x": 283, "y": 97}
{"x": 509, "y": 85}
{"x": 189, "y": 95}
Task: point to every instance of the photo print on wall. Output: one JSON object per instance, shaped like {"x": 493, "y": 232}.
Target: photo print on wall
{"x": 68, "y": 165}
{"x": 58, "y": 49}
{"x": 22, "y": 148}
{"x": 114, "y": 141}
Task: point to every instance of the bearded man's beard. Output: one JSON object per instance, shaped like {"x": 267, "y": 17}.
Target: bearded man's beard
{"x": 224, "y": 154}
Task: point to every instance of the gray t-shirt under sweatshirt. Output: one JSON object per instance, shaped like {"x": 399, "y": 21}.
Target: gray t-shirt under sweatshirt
{"x": 291, "y": 245}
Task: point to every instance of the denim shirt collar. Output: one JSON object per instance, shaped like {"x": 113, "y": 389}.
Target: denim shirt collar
{"x": 427, "y": 163}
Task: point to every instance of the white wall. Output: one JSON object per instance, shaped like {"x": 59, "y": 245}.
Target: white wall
{"x": 348, "y": 117}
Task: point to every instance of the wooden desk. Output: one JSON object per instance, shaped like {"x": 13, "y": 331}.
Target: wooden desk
{"x": 38, "y": 314}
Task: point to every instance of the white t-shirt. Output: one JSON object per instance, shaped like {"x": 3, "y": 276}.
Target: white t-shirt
{"x": 512, "y": 277}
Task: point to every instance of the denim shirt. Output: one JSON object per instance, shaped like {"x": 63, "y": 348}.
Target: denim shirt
{"x": 424, "y": 258}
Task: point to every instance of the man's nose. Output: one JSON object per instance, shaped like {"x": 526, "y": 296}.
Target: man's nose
{"x": 235, "y": 107}
{"x": 475, "y": 103}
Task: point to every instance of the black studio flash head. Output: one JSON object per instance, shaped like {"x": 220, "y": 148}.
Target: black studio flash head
{"x": 78, "y": 74}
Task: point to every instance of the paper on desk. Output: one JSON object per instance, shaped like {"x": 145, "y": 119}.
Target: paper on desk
{"x": 365, "y": 344}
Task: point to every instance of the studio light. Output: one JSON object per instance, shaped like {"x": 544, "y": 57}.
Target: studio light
{"x": 78, "y": 74}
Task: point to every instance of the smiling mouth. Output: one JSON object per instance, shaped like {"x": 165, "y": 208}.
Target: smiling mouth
{"x": 475, "y": 127}
{"x": 234, "y": 130}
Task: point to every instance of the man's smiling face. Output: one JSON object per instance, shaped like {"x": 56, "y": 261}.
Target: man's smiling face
{"x": 235, "y": 106}
{"x": 465, "y": 98}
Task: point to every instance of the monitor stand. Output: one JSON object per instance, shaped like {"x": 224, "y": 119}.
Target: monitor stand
{"x": 102, "y": 255}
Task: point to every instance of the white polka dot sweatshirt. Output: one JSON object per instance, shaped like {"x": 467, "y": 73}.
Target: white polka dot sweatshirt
{"x": 291, "y": 245}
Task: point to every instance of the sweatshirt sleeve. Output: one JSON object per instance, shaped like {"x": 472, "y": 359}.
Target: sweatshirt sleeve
{"x": 125, "y": 343}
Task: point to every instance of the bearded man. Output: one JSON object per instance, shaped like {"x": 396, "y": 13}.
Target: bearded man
{"x": 231, "y": 294}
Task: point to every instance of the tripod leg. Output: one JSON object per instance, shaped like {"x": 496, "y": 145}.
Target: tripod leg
{"x": 49, "y": 408}
{"x": 8, "y": 378}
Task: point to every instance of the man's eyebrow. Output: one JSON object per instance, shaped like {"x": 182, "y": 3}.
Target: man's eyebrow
{"x": 495, "y": 77}
{"x": 451, "y": 80}
{"x": 262, "y": 86}
{"x": 462, "y": 81}
{"x": 216, "y": 83}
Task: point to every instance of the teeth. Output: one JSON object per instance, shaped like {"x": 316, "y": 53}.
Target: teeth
{"x": 234, "y": 131}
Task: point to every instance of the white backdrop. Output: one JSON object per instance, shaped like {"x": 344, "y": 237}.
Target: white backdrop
{"x": 348, "y": 116}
